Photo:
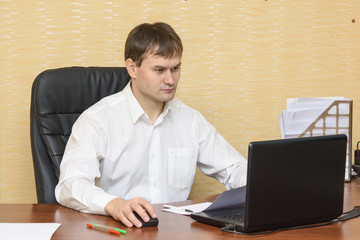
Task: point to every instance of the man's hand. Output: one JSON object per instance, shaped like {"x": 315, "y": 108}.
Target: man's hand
{"x": 122, "y": 211}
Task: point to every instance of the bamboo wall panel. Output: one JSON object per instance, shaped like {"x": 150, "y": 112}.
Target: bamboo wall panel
{"x": 242, "y": 60}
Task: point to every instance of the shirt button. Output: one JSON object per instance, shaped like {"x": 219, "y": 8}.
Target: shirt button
{"x": 172, "y": 152}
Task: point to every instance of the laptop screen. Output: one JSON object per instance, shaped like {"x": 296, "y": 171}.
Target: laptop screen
{"x": 295, "y": 181}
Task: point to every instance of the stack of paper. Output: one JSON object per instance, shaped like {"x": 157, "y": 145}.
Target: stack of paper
{"x": 301, "y": 113}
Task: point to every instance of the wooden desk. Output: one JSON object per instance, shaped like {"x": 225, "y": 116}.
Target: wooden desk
{"x": 172, "y": 226}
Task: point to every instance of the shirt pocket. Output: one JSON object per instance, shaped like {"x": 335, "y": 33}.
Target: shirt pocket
{"x": 181, "y": 167}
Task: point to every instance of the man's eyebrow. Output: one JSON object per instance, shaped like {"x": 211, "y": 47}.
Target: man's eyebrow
{"x": 160, "y": 66}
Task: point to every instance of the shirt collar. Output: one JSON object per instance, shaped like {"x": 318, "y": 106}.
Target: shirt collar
{"x": 135, "y": 109}
{"x": 167, "y": 107}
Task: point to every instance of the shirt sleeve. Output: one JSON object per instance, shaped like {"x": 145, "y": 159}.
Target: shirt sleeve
{"x": 80, "y": 167}
{"x": 217, "y": 158}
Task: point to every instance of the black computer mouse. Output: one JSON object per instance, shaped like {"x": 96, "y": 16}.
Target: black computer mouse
{"x": 153, "y": 222}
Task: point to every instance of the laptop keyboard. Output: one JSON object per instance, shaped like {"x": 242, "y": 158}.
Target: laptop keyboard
{"x": 238, "y": 216}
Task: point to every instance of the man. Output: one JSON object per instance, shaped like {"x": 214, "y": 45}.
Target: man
{"x": 141, "y": 146}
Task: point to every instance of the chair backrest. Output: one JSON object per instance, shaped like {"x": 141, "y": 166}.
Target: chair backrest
{"x": 58, "y": 97}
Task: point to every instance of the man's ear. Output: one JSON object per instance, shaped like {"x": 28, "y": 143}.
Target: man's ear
{"x": 130, "y": 67}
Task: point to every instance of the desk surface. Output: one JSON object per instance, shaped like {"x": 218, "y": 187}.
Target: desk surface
{"x": 171, "y": 226}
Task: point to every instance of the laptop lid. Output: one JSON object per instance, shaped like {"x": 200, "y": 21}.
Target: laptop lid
{"x": 295, "y": 181}
{"x": 291, "y": 182}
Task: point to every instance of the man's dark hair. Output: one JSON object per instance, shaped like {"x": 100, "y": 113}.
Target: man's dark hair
{"x": 158, "y": 38}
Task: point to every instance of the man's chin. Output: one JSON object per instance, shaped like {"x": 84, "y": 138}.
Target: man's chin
{"x": 169, "y": 97}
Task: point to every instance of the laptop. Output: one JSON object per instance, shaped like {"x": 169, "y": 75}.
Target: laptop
{"x": 290, "y": 182}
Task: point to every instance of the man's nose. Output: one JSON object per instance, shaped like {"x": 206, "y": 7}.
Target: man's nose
{"x": 169, "y": 78}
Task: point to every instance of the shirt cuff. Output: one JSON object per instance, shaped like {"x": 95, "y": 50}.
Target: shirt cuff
{"x": 99, "y": 201}
{"x": 238, "y": 176}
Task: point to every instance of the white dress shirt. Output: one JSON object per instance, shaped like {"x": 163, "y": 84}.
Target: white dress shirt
{"x": 116, "y": 151}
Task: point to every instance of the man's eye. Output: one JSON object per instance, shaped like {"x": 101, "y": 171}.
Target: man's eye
{"x": 174, "y": 69}
{"x": 159, "y": 70}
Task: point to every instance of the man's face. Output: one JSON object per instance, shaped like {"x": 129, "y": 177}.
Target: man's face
{"x": 155, "y": 81}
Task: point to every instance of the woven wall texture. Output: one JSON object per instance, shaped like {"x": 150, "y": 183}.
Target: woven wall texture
{"x": 242, "y": 60}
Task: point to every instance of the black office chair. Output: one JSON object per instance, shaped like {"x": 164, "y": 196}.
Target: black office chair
{"x": 58, "y": 97}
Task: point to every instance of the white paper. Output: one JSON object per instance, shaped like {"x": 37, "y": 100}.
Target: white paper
{"x": 28, "y": 231}
{"x": 187, "y": 209}
{"x": 302, "y": 112}
{"x": 233, "y": 198}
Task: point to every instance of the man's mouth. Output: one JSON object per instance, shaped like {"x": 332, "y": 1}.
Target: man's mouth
{"x": 168, "y": 90}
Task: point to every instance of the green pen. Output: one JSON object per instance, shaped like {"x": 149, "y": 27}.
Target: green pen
{"x": 108, "y": 228}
